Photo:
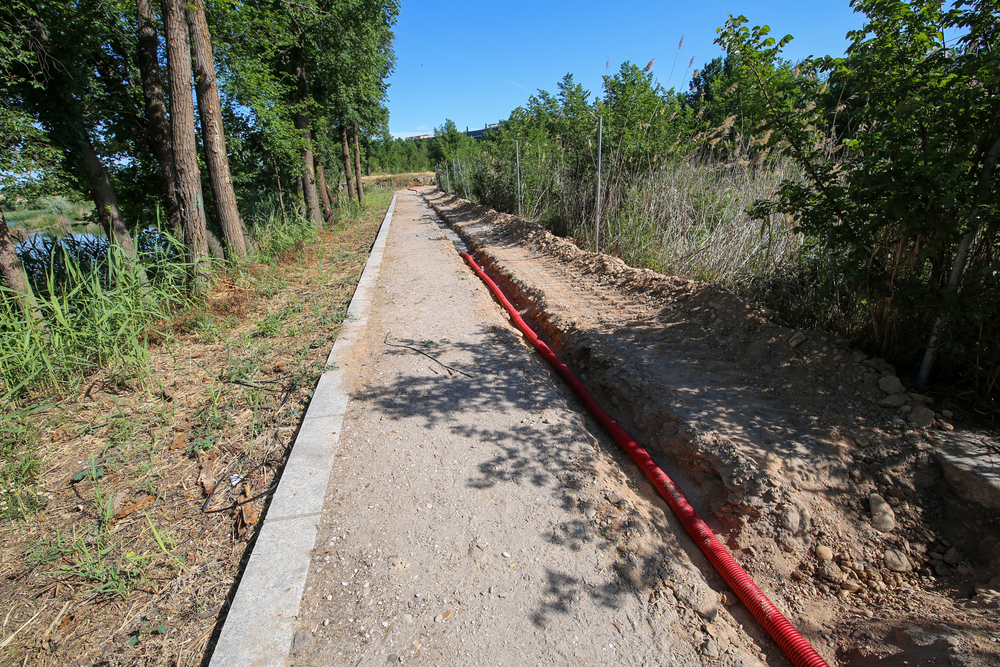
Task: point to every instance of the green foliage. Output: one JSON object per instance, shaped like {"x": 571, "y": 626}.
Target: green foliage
{"x": 94, "y": 313}
{"x": 918, "y": 176}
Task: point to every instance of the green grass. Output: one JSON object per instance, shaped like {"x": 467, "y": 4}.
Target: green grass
{"x": 91, "y": 317}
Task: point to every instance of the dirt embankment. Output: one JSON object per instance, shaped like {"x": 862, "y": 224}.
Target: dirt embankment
{"x": 814, "y": 462}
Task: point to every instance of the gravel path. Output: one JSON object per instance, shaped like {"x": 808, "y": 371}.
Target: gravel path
{"x": 473, "y": 516}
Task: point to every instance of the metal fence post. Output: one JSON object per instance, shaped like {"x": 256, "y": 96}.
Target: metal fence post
{"x": 517, "y": 161}
{"x": 600, "y": 133}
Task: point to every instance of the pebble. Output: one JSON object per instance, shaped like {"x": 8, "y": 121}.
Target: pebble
{"x": 790, "y": 519}
{"x": 590, "y": 513}
{"x": 890, "y": 384}
{"x": 883, "y": 518}
{"x": 824, "y": 553}
{"x": 438, "y": 618}
{"x": 797, "y": 339}
{"x": 392, "y": 658}
{"x": 830, "y": 571}
{"x": 922, "y": 415}
{"x": 710, "y": 648}
{"x": 614, "y": 498}
{"x": 951, "y": 556}
{"x": 892, "y": 401}
{"x": 947, "y": 414}
{"x": 408, "y": 619}
{"x": 896, "y": 560}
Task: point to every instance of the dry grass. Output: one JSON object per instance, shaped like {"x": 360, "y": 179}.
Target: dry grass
{"x": 130, "y": 561}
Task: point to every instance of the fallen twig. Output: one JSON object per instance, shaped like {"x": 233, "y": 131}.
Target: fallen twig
{"x": 410, "y": 347}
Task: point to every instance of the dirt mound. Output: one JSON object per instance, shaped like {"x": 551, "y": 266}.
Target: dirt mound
{"x": 815, "y": 463}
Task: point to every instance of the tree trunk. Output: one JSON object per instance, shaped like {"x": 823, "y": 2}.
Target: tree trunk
{"x": 156, "y": 110}
{"x": 357, "y": 168}
{"x": 213, "y": 137}
{"x": 302, "y": 196}
{"x": 12, "y": 271}
{"x": 992, "y": 157}
{"x": 106, "y": 203}
{"x": 347, "y": 160}
{"x": 189, "y": 197}
{"x": 324, "y": 192}
{"x": 313, "y": 211}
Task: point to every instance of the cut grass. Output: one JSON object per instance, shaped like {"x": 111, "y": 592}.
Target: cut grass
{"x": 218, "y": 401}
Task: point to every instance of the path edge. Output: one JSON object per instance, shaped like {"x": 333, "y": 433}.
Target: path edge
{"x": 259, "y": 628}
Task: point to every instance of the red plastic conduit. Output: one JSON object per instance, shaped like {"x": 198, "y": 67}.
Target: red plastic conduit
{"x": 788, "y": 638}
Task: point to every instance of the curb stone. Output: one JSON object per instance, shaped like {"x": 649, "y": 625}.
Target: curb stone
{"x": 259, "y": 628}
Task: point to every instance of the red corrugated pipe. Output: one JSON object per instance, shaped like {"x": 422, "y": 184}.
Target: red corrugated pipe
{"x": 795, "y": 646}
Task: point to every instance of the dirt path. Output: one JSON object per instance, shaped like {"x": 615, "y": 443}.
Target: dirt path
{"x": 476, "y": 516}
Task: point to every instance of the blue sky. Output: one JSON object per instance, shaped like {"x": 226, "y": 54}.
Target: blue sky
{"x": 475, "y": 62}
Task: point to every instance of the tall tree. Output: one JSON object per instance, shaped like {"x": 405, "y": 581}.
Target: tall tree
{"x": 189, "y": 197}
{"x": 357, "y": 168}
{"x": 157, "y": 121}
{"x": 346, "y": 153}
{"x": 213, "y": 137}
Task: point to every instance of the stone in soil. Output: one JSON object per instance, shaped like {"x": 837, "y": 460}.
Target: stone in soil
{"x": 797, "y": 339}
{"x": 883, "y": 518}
{"x": 893, "y": 400}
{"x": 824, "y": 552}
{"x": 890, "y": 384}
{"x": 922, "y": 416}
{"x": 896, "y": 560}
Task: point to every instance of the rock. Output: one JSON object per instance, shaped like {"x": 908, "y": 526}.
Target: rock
{"x": 392, "y": 659}
{"x": 828, "y": 570}
{"x": 892, "y": 401}
{"x": 923, "y": 480}
{"x": 694, "y": 591}
{"x": 964, "y": 570}
{"x": 951, "y": 556}
{"x": 922, "y": 416}
{"x": 896, "y": 560}
{"x": 890, "y": 384}
{"x": 945, "y": 426}
{"x": 300, "y": 639}
{"x": 883, "y": 518}
{"x": 704, "y": 346}
{"x": 906, "y": 409}
{"x": 941, "y": 570}
{"x": 408, "y": 619}
{"x": 824, "y": 553}
{"x": 710, "y": 648}
{"x": 767, "y": 312}
{"x": 797, "y": 339}
{"x": 790, "y": 518}
{"x": 920, "y": 398}
{"x": 590, "y": 512}
{"x": 438, "y": 618}
{"x": 947, "y": 414}
{"x": 851, "y": 585}
{"x": 766, "y": 369}
{"x": 614, "y": 498}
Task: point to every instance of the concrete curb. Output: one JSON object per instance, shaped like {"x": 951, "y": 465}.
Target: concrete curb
{"x": 259, "y": 627}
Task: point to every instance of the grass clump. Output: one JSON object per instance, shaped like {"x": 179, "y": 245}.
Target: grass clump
{"x": 93, "y": 312}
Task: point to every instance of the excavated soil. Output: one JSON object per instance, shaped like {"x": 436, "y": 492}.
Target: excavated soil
{"x": 811, "y": 461}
